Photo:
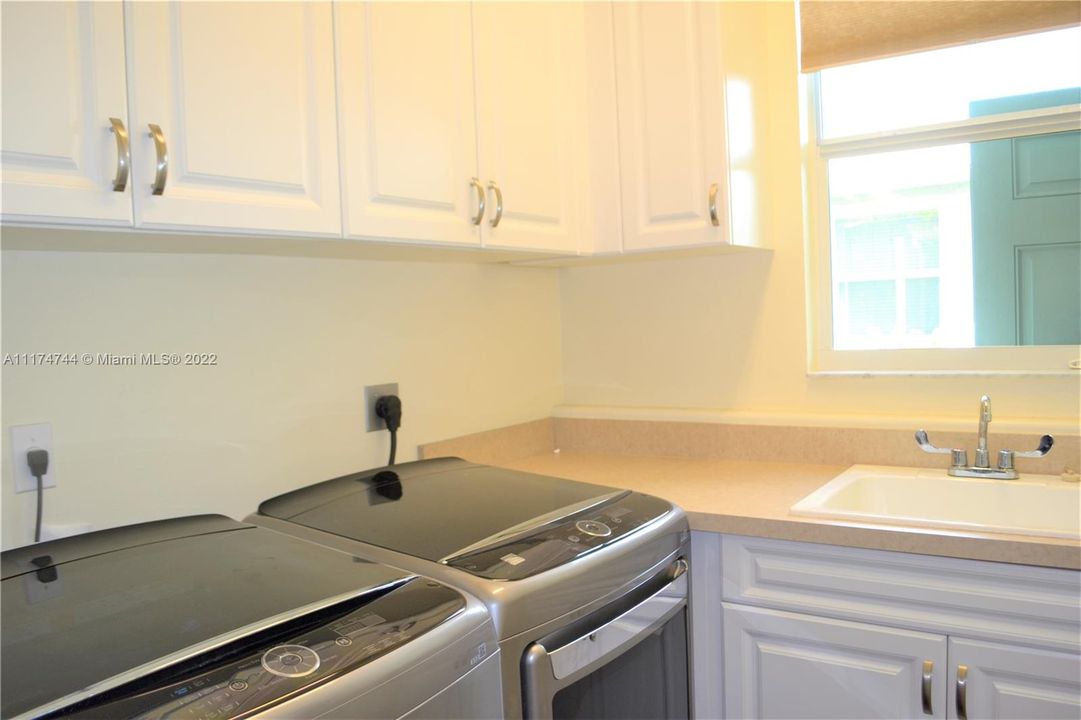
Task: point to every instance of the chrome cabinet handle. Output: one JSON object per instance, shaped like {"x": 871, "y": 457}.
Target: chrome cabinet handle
{"x": 480, "y": 200}
{"x": 713, "y": 218}
{"x": 494, "y": 222}
{"x": 925, "y": 685}
{"x": 161, "y": 169}
{"x": 123, "y": 154}
{"x": 962, "y": 692}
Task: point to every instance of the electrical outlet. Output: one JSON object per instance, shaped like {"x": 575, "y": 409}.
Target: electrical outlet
{"x": 27, "y": 437}
{"x": 55, "y": 531}
{"x": 43, "y": 585}
{"x": 373, "y": 422}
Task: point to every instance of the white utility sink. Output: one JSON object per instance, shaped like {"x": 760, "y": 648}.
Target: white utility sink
{"x": 1031, "y": 505}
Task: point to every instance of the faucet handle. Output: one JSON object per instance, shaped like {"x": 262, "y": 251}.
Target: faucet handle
{"x": 1045, "y": 447}
{"x": 958, "y": 457}
{"x": 1006, "y": 457}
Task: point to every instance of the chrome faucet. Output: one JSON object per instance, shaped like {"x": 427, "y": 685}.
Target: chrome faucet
{"x": 959, "y": 466}
{"x": 983, "y": 458}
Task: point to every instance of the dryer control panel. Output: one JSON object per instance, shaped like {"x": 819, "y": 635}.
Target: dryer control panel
{"x": 564, "y": 540}
{"x": 257, "y": 672}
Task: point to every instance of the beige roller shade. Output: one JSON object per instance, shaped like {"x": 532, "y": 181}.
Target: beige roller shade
{"x": 837, "y": 32}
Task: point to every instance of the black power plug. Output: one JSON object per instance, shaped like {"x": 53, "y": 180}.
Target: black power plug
{"x": 389, "y": 408}
{"x": 38, "y": 460}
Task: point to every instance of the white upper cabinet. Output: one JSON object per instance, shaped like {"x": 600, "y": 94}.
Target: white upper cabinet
{"x": 407, "y": 121}
{"x": 671, "y": 125}
{"x": 531, "y": 123}
{"x": 563, "y": 128}
{"x": 243, "y": 94}
{"x": 63, "y": 79}
{"x": 464, "y": 123}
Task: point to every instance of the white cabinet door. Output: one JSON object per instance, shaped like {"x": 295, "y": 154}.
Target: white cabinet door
{"x": 531, "y": 122}
{"x": 786, "y": 665}
{"x": 63, "y": 79}
{"x": 244, "y": 96}
{"x": 1000, "y": 681}
{"x": 408, "y": 121}
{"x": 671, "y": 125}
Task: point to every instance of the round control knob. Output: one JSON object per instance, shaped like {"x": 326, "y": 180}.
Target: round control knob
{"x": 594, "y": 528}
{"x": 290, "y": 661}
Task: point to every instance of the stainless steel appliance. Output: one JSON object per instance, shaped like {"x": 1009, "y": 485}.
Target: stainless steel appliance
{"x": 204, "y": 617}
{"x": 587, "y": 584}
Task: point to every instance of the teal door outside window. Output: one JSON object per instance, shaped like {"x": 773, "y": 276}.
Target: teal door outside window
{"x": 1026, "y": 230}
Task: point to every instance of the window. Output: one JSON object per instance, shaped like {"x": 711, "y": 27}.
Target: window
{"x": 946, "y": 198}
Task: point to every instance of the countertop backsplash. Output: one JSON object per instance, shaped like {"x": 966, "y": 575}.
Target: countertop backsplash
{"x": 761, "y": 443}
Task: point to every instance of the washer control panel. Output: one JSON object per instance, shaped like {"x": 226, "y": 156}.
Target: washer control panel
{"x": 290, "y": 661}
{"x": 593, "y": 527}
{"x": 561, "y": 542}
{"x": 239, "y": 682}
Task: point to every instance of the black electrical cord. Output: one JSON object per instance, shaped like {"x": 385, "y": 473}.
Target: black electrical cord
{"x": 38, "y": 460}
{"x": 37, "y": 523}
{"x": 389, "y": 407}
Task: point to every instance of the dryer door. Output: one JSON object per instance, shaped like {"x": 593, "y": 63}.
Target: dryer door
{"x": 634, "y": 665}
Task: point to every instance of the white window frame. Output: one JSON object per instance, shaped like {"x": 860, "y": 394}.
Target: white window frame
{"x": 823, "y": 359}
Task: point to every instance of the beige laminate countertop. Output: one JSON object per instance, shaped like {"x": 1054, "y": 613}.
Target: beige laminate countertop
{"x": 752, "y": 498}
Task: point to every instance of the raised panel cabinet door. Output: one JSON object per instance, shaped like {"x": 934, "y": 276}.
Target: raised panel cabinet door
{"x": 243, "y": 94}
{"x": 408, "y": 121}
{"x": 63, "y": 79}
{"x": 532, "y": 127}
{"x": 672, "y": 139}
{"x": 992, "y": 680}
{"x": 787, "y": 665}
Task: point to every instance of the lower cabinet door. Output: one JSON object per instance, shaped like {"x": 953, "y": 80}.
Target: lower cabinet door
{"x": 787, "y": 665}
{"x": 989, "y": 680}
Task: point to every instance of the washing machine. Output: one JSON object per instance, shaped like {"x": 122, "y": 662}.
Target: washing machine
{"x": 587, "y": 584}
{"x": 206, "y": 618}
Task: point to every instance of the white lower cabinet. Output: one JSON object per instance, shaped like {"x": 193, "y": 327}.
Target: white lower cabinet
{"x": 787, "y": 665}
{"x": 819, "y": 631}
{"x": 992, "y": 680}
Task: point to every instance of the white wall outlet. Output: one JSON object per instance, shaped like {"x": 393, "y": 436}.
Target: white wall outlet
{"x": 55, "y": 531}
{"x": 28, "y": 437}
{"x": 43, "y": 585}
{"x": 373, "y": 422}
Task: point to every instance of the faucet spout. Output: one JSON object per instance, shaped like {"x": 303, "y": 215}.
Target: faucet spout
{"x": 983, "y": 457}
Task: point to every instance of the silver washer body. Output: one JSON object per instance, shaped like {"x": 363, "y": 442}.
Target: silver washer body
{"x": 452, "y": 671}
{"x": 528, "y": 609}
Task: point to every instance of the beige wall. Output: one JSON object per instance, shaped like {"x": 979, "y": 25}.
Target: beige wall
{"x": 728, "y": 333}
{"x": 473, "y": 347}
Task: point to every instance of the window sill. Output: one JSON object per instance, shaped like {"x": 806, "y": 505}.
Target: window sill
{"x": 1047, "y": 360}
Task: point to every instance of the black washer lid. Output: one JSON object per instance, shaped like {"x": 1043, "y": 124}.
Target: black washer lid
{"x": 83, "y": 610}
{"x": 430, "y": 508}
